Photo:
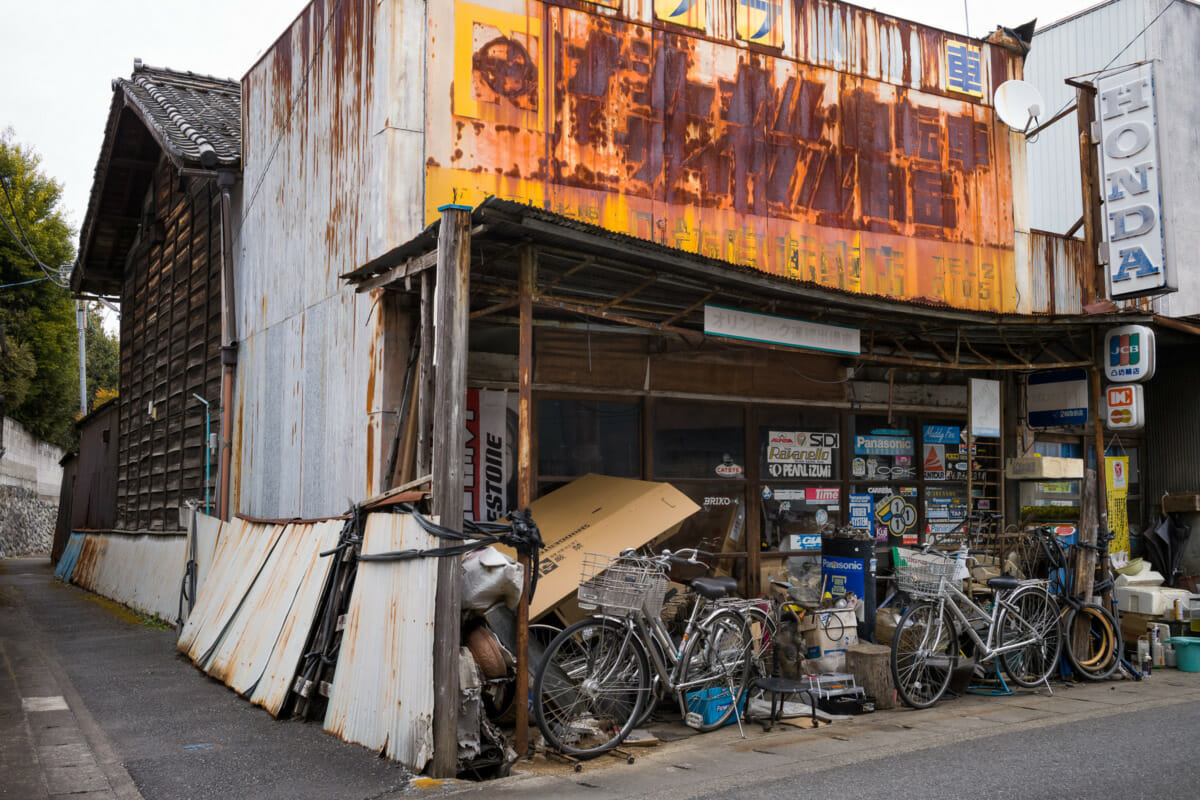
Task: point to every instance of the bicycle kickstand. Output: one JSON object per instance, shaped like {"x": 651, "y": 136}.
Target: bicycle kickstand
{"x": 1046, "y": 680}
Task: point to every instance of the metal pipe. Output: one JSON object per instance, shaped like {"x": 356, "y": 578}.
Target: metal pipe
{"x": 207, "y": 449}
{"x": 81, "y": 324}
{"x": 225, "y": 181}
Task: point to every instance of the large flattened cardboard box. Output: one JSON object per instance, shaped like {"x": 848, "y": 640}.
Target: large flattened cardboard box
{"x": 598, "y": 514}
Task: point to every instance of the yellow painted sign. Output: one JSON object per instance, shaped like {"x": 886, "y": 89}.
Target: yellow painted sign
{"x": 689, "y": 13}
{"x": 1116, "y": 485}
{"x": 699, "y": 144}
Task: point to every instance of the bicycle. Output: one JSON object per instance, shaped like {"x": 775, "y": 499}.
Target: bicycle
{"x": 1022, "y": 628}
{"x": 1093, "y": 645}
{"x": 593, "y": 684}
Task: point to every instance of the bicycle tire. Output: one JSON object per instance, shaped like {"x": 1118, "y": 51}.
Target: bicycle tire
{"x": 717, "y": 659}
{"x": 924, "y": 653}
{"x": 1030, "y": 666}
{"x": 1098, "y": 630}
{"x": 590, "y": 687}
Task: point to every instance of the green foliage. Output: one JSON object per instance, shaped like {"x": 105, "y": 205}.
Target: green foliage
{"x": 103, "y": 355}
{"x": 39, "y": 379}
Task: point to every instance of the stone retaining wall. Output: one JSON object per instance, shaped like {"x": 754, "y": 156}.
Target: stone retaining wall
{"x": 26, "y": 522}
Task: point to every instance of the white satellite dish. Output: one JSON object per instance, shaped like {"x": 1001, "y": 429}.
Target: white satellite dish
{"x": 1018, "y": 104}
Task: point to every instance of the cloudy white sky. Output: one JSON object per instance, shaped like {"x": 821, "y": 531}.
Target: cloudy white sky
{"x": 59, "y": 57}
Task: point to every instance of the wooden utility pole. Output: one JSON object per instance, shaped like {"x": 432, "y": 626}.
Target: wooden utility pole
{"x": 528, "y": 280}
{"x": 1085, "y": 114}
{"x": 451, "y": 316}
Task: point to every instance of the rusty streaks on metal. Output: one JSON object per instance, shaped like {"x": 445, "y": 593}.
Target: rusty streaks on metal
{"x": 382, "y": 694}
{"x": 846, "y": 162}
{"x": 1061, "y": 273}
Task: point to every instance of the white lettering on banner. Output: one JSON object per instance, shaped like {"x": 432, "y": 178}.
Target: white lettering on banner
{"x": 730, "y": 322}
{"x": 1132, "y": 198}
{"x": 800, "y": 470}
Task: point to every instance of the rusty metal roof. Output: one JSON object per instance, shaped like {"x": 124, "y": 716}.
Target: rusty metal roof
{"x": 194, "y": 120}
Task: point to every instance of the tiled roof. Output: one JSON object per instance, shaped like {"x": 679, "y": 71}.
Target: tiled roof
{"x": 196, "y": 118}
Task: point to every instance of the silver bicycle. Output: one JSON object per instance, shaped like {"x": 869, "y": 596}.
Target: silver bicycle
{"x": 601, "y": 675}
{"x": 1020, "y": 627}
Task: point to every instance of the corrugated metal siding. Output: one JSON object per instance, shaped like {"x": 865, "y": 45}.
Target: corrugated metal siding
{"x": 1061, "y": 274}
{"x": 382, "y": 694}
{"x": 1171, "y": 462}
{"x": 1072, "y": 48}
{"x": 143, "y": 572}
{"x": 343, "y": 187}
{"x": 70, "y": 555}
{"x": 253, "y": 615}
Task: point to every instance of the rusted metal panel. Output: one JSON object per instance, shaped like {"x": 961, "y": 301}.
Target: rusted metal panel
{"x": 143, "y": 572}
{"x": 254, "y": 613}
{"x": 822, "y": 165}
{"x": 382, "y": 695}
{"x": 1060, "y": 266}
{"x": 333, "y": 136}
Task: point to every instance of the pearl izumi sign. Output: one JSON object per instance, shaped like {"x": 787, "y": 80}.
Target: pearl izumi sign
{"x": 1129, "y": 161}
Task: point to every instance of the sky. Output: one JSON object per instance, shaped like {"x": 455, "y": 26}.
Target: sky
{"x": 59, "y": 57}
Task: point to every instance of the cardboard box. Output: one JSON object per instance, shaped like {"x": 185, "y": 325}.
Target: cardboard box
{"x": 1043, "y": 468}
{"x": 598, "y": 514}
{"x": 830, "y": 630}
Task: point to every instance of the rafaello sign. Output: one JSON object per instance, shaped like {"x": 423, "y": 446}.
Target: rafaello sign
{"x": 1129, "y": 161}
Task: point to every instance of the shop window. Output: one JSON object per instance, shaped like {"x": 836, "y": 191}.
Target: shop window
{"x": 882, "y": 450}
{"x": 699, "y": 441}
{"x": 799, "y": 444}
{"x": 793, "y": 516}
{"x": 945, "y": 512}
{"x": 575, "y": 437}
{"x": 889, "y": 511}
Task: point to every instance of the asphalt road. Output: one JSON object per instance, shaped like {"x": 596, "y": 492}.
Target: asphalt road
{"x": 1142, "y": 754}
{"x": 178, "y": 733}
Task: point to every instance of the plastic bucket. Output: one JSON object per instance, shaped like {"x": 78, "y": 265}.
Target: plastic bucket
{"x": 1187, "y": 652}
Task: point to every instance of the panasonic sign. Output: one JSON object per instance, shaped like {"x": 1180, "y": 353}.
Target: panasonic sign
{"x": 1129, "y": 161}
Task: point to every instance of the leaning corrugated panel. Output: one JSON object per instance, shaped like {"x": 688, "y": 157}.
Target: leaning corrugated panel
{"x": 382, "y": 695}
{"x": 66, "y": 563}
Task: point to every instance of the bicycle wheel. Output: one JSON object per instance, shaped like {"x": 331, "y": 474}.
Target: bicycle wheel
{"x": 1092, "y": 641}
{"x": 1036, "y": 618}
{"x": 716, "y": 666}
{"x": 590, "y": 687}
{"x": 924, "y": 652}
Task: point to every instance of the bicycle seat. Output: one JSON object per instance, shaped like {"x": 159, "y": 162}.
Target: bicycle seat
{"x": 714, "y": 588}
{"x": 1003, "y": 582}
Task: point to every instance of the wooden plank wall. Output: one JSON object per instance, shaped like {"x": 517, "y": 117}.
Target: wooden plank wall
{"x": 170, "y": 350}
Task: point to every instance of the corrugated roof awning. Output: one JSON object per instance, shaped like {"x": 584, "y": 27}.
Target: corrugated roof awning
{"x": 586, "y": 270}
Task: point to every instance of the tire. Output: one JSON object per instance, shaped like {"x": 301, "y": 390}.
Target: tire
{"x": 717, "y": 661}
{"x": 1030, "y": 666}
{"x": 1099, "y": 641}
{"x": 924, "y": 653}
{"x": 591, "y": 687}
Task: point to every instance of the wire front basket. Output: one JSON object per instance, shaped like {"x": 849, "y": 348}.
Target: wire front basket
{"x": 623, "y": 584}
{"x": 924, "y": 578}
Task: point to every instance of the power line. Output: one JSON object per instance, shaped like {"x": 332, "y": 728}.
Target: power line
{"x": 59, "y": 277}
{"x": 24, "y": 283}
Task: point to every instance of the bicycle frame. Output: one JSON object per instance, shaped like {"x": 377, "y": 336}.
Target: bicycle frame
{"x": 952, "y": 598}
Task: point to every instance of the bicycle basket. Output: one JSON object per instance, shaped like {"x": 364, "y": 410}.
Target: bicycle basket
{"x": 924, "y": 578}
{"x": 623, "y": 584}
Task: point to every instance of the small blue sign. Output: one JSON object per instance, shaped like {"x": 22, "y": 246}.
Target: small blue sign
{"x": 862, "y": 511}
{"x": 883, "y": 444}
{"x": 1057, "y": 398}
{"x": 942, "y": 434}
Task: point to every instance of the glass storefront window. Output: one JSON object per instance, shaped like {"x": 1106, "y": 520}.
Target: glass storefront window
{"x": 699, "y": 441}
{"x": 882, "y": 450}
{"x": 576, "y": 437}
{"x": 891, "y": 511}
{"x": 799, "y": 444}
{"x": 793, "y": 516}
{"x": 945, "y": 510}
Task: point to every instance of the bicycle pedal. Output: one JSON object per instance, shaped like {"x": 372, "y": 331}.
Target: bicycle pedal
{"x": 693, "y": 720}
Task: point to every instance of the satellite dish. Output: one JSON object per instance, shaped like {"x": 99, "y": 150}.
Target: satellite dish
{"x": 1018, "y": 104}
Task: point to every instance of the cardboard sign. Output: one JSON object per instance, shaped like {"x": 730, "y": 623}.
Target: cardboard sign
{"x": 597, "y": 514}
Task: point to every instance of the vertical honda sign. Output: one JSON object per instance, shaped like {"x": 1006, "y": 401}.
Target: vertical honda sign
{"x": 1129, "y": 162}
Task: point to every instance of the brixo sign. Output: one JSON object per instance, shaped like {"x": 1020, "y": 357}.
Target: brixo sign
{"x": 1129, "y": 161}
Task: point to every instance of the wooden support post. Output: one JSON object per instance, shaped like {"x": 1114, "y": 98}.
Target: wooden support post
{"x": 425, "y": 395}
{"x": 450, "y": 355}
{"x": 528, "y": 280}
{"x": 1089, "y": 185}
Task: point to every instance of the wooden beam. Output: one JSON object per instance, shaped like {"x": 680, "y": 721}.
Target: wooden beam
{"x": 425, "y": 394}
{"x": 399, "y": 272}
{"x": 528, "y": 283}
{"x": 451, "y": 323}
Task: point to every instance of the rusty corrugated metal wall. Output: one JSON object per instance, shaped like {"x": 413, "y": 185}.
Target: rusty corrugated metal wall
{"x": 333, "y": 144}
{"x": 852, "y": 152}
{"x": 1172, "y": 453}
{"x": 1063, "y": 278}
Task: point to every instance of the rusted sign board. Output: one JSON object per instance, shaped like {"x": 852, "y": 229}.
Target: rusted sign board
{"x": 854, "y": 150}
